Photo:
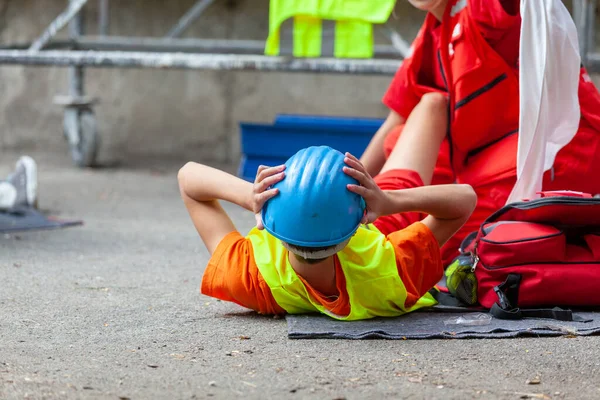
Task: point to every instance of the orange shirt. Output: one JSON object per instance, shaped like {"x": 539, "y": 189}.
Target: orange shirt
{"x": 232, "y": 274}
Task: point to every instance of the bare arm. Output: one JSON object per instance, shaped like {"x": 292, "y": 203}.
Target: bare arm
{"x": 373, "y": 158}
{"x": 448, "y": 206}
{"x": 203, "y": 183}
{"x": 202, "y": 187}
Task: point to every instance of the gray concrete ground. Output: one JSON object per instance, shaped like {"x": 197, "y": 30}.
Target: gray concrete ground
{"x": 112, "y": 310}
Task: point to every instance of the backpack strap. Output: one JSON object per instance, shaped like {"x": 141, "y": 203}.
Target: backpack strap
{"x": 508, "y": 293}
{"x": 547, "y": 313}
{"x": 445, "y": 299}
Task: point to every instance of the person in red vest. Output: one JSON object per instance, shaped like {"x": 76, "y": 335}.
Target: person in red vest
{"x": 468, "y": 52}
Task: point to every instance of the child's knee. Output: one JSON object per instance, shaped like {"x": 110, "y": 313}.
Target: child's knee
{"x": 437, "y": 102}
{"x": 436, "y": 111}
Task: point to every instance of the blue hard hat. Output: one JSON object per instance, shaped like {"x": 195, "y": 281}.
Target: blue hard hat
{"x": 314, "y": 207}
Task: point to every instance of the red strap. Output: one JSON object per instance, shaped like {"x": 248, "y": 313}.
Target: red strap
{"x": 569, "y": 193}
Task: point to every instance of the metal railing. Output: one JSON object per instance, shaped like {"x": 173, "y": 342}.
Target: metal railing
{"x": 81, "y": 51}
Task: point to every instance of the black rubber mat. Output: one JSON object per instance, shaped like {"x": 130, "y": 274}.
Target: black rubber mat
{"x": 29, "y": 219}
{"x": 430, "y": 325}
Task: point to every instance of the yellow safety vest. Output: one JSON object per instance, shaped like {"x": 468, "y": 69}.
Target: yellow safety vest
{"x": 325, "y": 28}
{"x": 369, "y": 264}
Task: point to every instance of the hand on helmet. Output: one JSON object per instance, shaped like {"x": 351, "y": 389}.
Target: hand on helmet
{"x": 262, "y": 191}
{"x": 375, "y": 198}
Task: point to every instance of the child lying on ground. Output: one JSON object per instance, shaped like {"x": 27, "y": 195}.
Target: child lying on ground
{"x": 310, "y": 251}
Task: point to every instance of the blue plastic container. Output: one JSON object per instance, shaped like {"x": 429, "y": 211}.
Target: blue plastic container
{"x": 273, "y": 144}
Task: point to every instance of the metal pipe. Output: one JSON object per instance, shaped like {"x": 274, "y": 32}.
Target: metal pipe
{"x": 591, "y": 25}
{"x": 71, "y": 122}
{"x": 386, "y": 50}
{"x": 581, "y": 11}
{"x": 576, "y": 12}
{"x": 125, "y": 43}
{"x": 593, "y": 62}
{"x": 401, "y": 46}
{"x": 76, "y": 28}
{"x": 103, "y": 17}
{"x": 214, "y": 62}
{"x": 59, "y": 22}
{"x": 76, "y": 78}
{"x": 188, "y": 18}
{"x": 220, "y": 46}
{"x": 585, "y": 35}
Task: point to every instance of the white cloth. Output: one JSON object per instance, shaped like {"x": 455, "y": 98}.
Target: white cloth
{"x": 549, "y": 81}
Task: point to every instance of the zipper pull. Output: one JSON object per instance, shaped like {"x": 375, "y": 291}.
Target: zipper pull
{"x": 475, "y": 262}
{"x": 474, "y": 253}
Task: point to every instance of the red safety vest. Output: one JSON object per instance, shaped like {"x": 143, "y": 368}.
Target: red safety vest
{"x": 483, "y": 97}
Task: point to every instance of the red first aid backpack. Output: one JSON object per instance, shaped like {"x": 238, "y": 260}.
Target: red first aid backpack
{"x": 538, "y": 253}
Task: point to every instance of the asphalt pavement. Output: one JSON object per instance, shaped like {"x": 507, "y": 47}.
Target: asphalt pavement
{"x": 112, "y": 310}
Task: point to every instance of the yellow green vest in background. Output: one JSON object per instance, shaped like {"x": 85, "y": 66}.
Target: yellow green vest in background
{"x": 325, "y": 28}
{"x": 369, "y": 265}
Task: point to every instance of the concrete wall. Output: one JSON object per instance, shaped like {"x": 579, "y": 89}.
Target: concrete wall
{"x": 183, "y": 114}
{"x": 187, "y": 114}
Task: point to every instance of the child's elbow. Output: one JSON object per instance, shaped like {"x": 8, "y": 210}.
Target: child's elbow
{"x": 183, "y": 174}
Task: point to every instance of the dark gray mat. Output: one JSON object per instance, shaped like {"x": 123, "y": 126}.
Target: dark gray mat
{"x": 430, "y": 325}
{"x": 29, "y": 219}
